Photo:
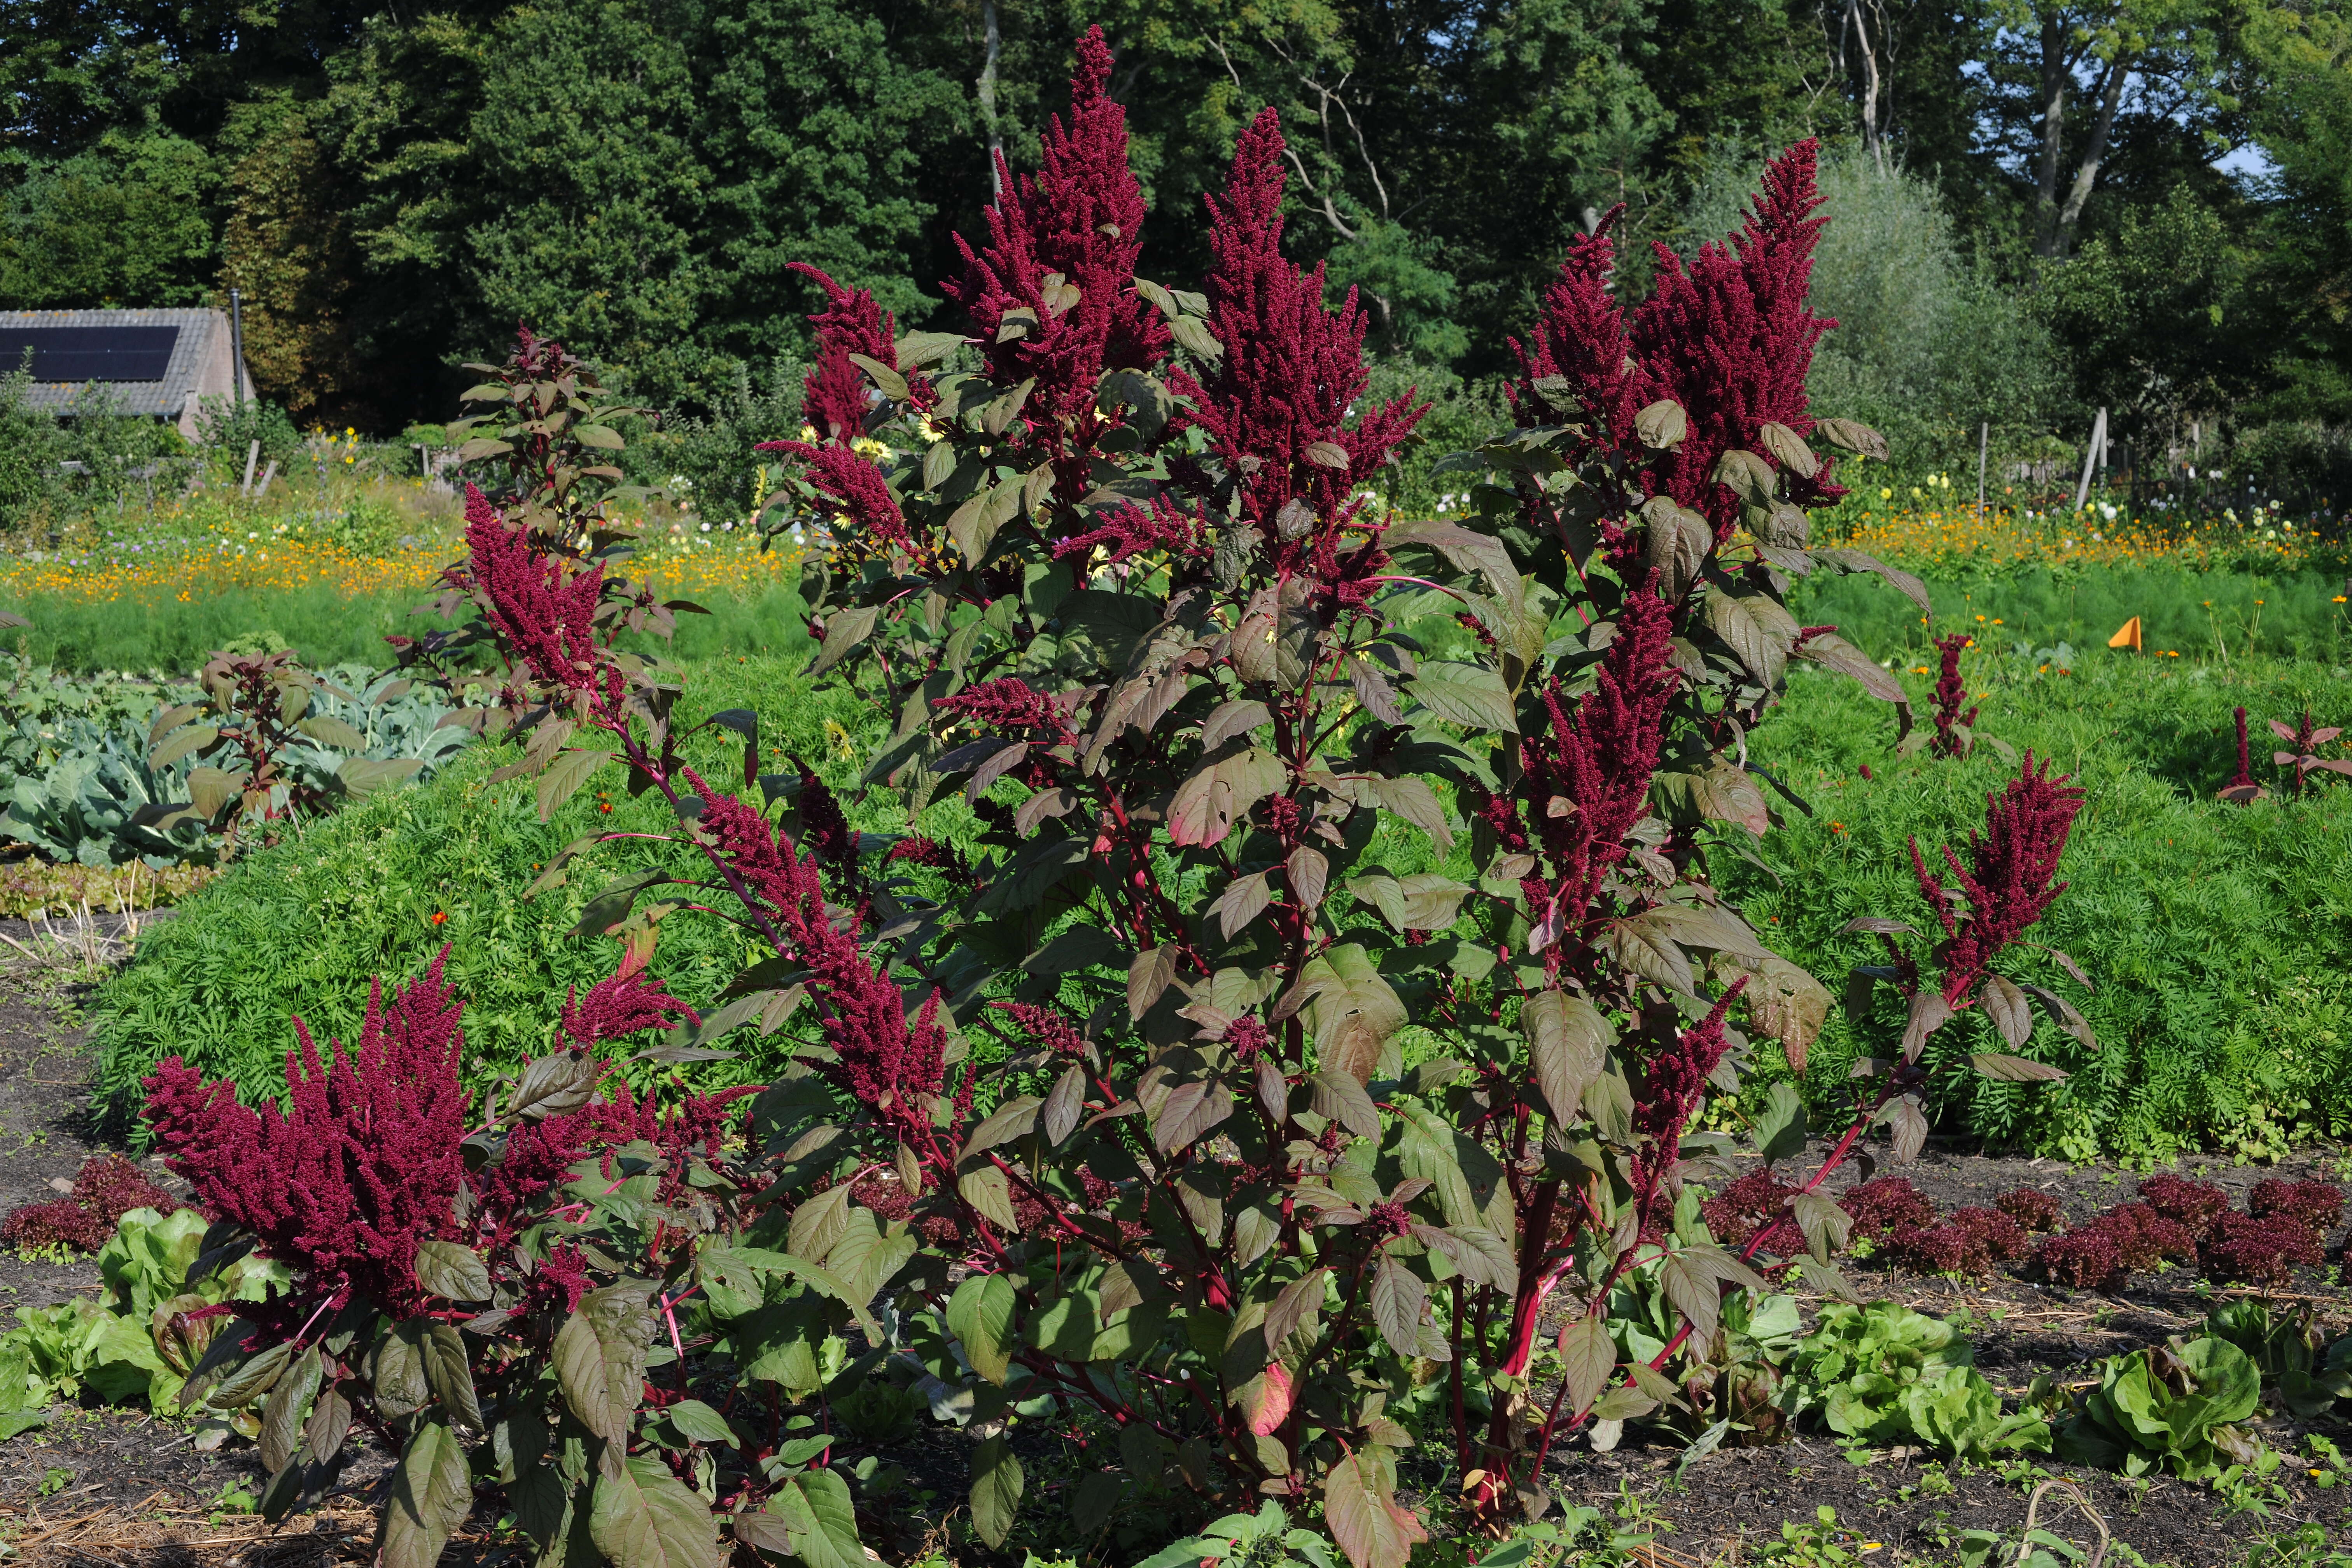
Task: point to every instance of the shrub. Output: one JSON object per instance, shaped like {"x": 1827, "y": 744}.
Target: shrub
{"x": 1135, "y": 604}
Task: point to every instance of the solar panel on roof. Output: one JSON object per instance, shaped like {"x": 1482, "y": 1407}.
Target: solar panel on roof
{"x": 89, "y": 354}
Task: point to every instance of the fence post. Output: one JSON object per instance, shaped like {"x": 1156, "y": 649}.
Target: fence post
{"x": 1984, "y": 434}
{"x": 2091, "y": 458}
{"x": 252, "y": 457}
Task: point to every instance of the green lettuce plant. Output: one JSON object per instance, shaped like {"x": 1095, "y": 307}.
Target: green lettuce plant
{"x": 2174, "y": 1408}
{"x": 1882, "y": 1374}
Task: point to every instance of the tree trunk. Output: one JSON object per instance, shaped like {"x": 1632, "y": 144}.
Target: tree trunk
{"x": 1871, "y": 141}
{"x": 2054, "y": 135}
{"x": 992, "y": 46}
{"x": 2086, "y": 173}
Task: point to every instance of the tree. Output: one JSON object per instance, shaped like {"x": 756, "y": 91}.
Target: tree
{"x": 2157, "y": 319}
{"x": 2071, "y": 70}
{"x": 2303, "y": 120}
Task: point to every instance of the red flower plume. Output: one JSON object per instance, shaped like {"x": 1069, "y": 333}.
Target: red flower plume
{"x": 1276, "y": 404}
{"x": 1080, "y": 216}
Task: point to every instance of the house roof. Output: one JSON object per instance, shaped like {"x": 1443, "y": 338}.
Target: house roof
{"x": 154, "y": 362}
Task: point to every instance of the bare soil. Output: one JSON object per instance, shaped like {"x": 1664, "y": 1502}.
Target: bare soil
{"x": 1914, "y": 1506}
{"x": 99, "y": 1486}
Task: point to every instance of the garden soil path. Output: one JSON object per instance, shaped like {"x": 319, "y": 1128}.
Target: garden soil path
{"x": 99, "y": 1486}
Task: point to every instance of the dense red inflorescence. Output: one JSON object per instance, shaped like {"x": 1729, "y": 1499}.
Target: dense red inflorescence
{"x": 1010, "y": 706}
{"x": 1048, "y": 1028}
{"x": 621, "y": 1005}
{"x": 1950, "y": 692}
{"x": 358, "y": 1167}
{"x": 1596, "y": 762}
{"x": 1077, "y": 223}
{"x": 1730, "y": 338}
{"x": 2244, "y": 779}
{"x": 1133, "y": 529}
{"x": 2008, "y": 883}
{"x": 882, "y": 1060}
{"x": 837, "y": 394}
{"x": 549, "y": 620}
{"x": 1274, "y": 405}
{"x": 1671, "y": 1083}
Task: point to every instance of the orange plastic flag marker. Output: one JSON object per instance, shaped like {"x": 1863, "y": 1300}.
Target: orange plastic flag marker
{"x": 2127, "y": 635}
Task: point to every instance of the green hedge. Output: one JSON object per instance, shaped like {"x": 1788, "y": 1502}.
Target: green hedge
{"x": 2214, "y": 933}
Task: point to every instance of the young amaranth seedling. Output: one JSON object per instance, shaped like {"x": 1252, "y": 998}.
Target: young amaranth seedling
{"x": 2241, "y": 789}
{"x": 2303, "y": 740}
{"x": 1122, "y": 581}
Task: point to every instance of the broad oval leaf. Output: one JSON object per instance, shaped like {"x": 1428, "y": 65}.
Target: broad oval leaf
{"x": 2007, "y": 1069}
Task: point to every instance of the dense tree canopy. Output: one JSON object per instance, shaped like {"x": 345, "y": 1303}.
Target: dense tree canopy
{"x": 393, "y": 188}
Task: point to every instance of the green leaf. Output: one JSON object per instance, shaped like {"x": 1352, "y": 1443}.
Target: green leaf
{"x": 991, "y": 1197}
{"x": 564, "y": 776}
{"x": 844, "y": 630}
{"x": 1756, "y": 628}
{"x": 1569, "y": 1041}
{"x": 1398, "y": 1296}
{"x": 600, "y": 1358}
{"x": 447, "y": 1369}
{"x": 282, "y": 1415}
{"x": 1588, "y": 1357}
{"x": 329, "y": 731}
{"x": 431, "y": 1496}
{"x": 2005, "y": 1068}
{"x": 1779, "y": 1127}
{"x": 643, "y": 1517}
{"x": 1417, "y": 804}
{"x": 180, "y": 745}
{"x": 1466, "y": 693}
{"x": 980, "y": 1315}
{"x": 256, "y": 1377}
{"x": 1196, "y": 338}
{"x": 601, "y": 437}
{"x": 1360, "y": 1508}
{"x": 1662, "y": 425}
{"x": 700, "y": 1421}
{"x": 452, "y": 1272}
{"x": 893, "y": 385}
{"x": 996, "y": 1483}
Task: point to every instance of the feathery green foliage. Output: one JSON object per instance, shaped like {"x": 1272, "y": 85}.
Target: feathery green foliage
{"x": 2214, "y": 933}
{"x": 302, "y": 926}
